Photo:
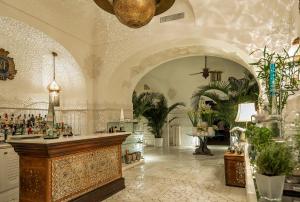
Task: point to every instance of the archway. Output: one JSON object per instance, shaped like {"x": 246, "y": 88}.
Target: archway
{"x": 129, "y": 72}
{"x": 174, "y": 81}
{"x": 27, "y": 92}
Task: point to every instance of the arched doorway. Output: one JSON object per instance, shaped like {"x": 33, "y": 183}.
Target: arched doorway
{"x": 27, "y": 92}
{"x": 174, "y": 81}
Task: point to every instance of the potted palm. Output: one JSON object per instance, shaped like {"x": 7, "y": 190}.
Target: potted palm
{"x": 157, "y": 115}
{"x": 141, "y": 103}
{"x": 227, "y": 95}
{"x": 273, "y": 162}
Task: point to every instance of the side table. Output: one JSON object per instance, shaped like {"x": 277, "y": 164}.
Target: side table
{"x": 234, "y": 169}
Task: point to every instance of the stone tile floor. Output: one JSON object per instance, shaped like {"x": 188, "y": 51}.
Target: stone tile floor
{"x": 175, "y": 174}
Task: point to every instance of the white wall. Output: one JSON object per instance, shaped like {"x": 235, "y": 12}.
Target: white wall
{"x": 114, "y": 58}
{"x": 31, "y": 50}
{"x": 173, "y": 79}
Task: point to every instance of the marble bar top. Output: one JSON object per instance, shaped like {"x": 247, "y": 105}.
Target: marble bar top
{"x": 4, "y": 145}
{"x": 65, "y": 139}
{"x": 48, "y": 148}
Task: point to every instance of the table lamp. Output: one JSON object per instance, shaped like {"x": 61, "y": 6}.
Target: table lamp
{"x": 245, "y": 114}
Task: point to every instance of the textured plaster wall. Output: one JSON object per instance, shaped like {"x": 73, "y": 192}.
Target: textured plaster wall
{"x": 113, "y": 58}
{"x": 230, "y": 28}
{"x": 31, "y": 50}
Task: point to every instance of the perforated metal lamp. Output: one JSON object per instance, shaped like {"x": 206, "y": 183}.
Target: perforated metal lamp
{"x": 53, "y": 87}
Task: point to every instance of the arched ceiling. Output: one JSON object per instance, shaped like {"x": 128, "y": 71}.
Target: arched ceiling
{"x": 84, "y": 20}
{"x": 173, "y": 78}
{"x": 244, "y": 25}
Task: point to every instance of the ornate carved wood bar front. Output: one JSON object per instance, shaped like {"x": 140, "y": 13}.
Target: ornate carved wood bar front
{"x": 86, "y": 168}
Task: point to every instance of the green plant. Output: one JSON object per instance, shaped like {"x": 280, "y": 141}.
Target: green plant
{"x": 207, "y": 114}
{"x": 227, "y": 96}
{"x": 158, "y": 112}
{"x": 285, "y": 72}
{"x": 259, "y": 137}
{"x": 142, "y": 103}
{"x": 194, "y": 117}
{"x": 275, "y": 159}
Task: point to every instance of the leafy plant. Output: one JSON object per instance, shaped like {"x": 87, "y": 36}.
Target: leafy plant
{"x": 194, "y": 117}
{"x": 142, "y": 103}
{"x": 297, "y": 138}
{"x": 275, "y": 159}
{"x": 207, "y": 114}
{"x": 259, "y": 137}
{"x": 285, "y": 82}
{"x": 227, "y": 96}
{"x": 158, "y": 112}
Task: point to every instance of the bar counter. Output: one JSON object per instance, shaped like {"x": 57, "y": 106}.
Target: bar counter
{"x": 78, "y": 168}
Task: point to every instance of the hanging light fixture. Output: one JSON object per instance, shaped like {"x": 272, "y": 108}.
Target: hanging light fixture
{"x": 135, "y": 13}
{"x": 53, "y": 87}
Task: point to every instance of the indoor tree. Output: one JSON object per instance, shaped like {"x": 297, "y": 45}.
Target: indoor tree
{"x": 227, "y": 96}
{"x": 158, "y": 112}
{"x": 142, "y": 103}
{"x": 286, "y": 75}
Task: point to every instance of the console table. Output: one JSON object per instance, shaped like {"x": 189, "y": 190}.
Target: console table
{"x": 79, "y": 168}
{"x": 202, "y": 149}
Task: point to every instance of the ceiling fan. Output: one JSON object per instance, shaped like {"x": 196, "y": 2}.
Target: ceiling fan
{"x": 205, "y": 73}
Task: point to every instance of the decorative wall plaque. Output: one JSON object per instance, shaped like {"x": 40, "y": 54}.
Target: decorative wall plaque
{"x": 7, "y": 66}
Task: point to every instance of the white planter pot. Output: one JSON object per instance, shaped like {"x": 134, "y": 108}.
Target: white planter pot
{"x": 159, "y": 142}
{"x": 270, "y": 187}
{"x": 211, "y": 131}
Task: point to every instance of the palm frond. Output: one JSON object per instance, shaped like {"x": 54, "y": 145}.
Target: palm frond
{"x": 203, "y": 90}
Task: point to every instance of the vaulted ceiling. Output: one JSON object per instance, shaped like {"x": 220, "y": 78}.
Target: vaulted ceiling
{"x": 246, "y": 20}
{"x": 117, "y": 57}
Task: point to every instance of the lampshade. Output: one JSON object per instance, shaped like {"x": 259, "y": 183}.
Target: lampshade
{"x": 245, "y": 112}
{"x": 294, "y": 51}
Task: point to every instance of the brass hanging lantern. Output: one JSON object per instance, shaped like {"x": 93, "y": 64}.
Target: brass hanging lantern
{"x": 53, "y": 87}
{"x": 135, "y": 13}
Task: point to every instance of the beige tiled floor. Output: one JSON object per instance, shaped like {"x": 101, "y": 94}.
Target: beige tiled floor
{"x": 175, "y": 174}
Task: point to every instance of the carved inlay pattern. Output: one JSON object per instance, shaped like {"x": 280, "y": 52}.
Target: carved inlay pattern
{"x": 76, "y": 174}
{"x": 240, "y": 172}
{"x": 31, "y": 181}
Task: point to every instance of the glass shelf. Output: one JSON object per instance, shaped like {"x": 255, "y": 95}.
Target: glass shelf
{"x": 134, "y": 142}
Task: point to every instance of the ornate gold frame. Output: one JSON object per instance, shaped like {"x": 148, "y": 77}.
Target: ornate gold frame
{"x": 7, "y": 66}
